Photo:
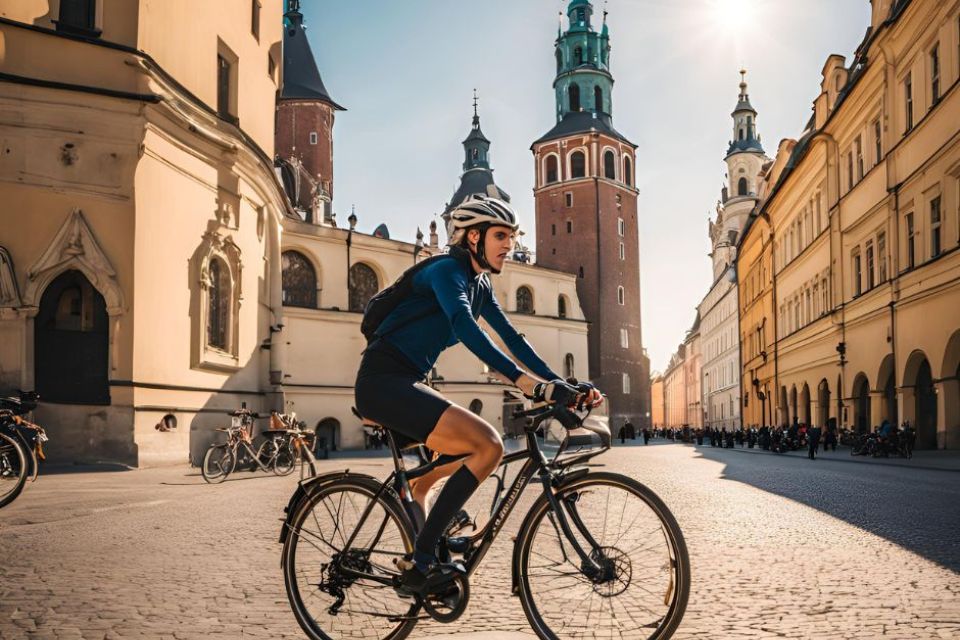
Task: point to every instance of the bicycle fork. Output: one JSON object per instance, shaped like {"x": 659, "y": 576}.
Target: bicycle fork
{"x": 557, "y": 517}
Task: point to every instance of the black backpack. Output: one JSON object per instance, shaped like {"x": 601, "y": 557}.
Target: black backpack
{"x": 382, "y": 305}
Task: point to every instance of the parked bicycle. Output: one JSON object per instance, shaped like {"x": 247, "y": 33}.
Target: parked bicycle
{"x": 21, "y": 445}
{"x": 598, "y": 555}
{"x": 274, "y": 455}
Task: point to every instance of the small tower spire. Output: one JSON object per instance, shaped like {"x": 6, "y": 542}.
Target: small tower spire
{"x": 476, "y": 116}
{"x": 743, "y": 85}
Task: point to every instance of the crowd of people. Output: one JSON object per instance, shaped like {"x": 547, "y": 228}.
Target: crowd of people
{"x": 885, "y": 437}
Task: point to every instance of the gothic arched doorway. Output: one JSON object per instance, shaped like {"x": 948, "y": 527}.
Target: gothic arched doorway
{"x": 805, "y": 404}
{"x": 71, "y": 342}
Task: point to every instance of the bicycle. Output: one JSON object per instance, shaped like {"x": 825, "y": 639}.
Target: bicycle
{"x": 274, "y": 454}
{"x": 21, "y": 445}
{"x": 598, "y": 554}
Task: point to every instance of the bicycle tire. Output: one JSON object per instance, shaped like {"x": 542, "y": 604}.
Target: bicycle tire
{"x": 390, "y": 505}
{"x": 285, "y": 461}
{"x": 13, "y": 469}
{"x": 218, "y": 463}
{"x": 619, "y": 562}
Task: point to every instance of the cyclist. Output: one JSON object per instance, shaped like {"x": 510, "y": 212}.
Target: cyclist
{"x": 447, "y": 298}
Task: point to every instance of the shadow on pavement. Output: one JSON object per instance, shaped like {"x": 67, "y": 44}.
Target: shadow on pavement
{"x": 102, "y": 467}
{"x": 915, "y": 509}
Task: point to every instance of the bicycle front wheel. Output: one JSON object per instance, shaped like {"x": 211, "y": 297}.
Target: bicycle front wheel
{"x": 13, "y": 469}
{"x": 286, "y": 459}
{"x": 339, "y": 592}
{"x": 639, "y": 581}
{"x": 218, "y": 463}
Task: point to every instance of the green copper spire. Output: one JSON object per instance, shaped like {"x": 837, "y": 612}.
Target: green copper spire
{"x": 476, "y": 147}
{"x": 583, "y": 82}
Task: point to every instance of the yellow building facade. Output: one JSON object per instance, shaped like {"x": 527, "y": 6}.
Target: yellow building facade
{"x": 865, "y": 281}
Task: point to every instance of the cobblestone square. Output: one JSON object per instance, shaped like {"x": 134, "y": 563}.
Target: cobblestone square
{"x": 781, "y": 547}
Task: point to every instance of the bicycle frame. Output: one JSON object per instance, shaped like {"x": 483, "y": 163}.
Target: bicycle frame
{"x": 536, "y": 464}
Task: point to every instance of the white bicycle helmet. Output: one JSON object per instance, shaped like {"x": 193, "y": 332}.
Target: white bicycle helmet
{"x": 479, "y": 209}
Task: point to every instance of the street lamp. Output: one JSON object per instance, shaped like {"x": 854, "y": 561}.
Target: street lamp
{"x": 418, "y": 245}
{"x": 352, "y": 220}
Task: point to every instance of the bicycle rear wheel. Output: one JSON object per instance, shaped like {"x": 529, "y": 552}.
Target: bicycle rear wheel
{"x": 328, "y": 600}
{"x": 286, "y": 459}
{"x": 642, "y": 587}
{"x": 13, "y": 469}
{"x": 218, "y": 463}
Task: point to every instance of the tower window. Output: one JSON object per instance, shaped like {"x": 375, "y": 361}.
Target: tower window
{"x": 313, "y": 137}
{"x": 559, "y": 60}
{"x": 553, "y": 229}
{"x": 580, "y": 273}
{"x": 740, "y": 135}
{"x": 620, "y": 296}
{"x": 578, "y": 55}
{"x": 562, "y": 307}
{"x": 620, "y": 226}
{"x": 568, "y": 198}
{"x": 623, "y": 253}
{"x": 581, "y": 15}
{"x": 626, "y": 383}
{"x": 742, "y": 187}
{"x": 609, "y": 165}
{"x": 598, "y": 99}
{"x": 574, "y": 91}
{"x": 569, "y": 226}
{"x": 578, "y": 164}
{"x": 624, "y": 339}
{"x": 552, "y": 169}
{"x": 627, "y": 171}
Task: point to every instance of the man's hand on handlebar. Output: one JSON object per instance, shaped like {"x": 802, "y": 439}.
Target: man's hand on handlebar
{"x": 590, "y": 395}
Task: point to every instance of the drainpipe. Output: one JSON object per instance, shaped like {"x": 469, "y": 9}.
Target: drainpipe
{"x": 277, "y": 341}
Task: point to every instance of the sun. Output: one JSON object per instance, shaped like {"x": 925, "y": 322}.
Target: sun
{"x": 732, "y": 15}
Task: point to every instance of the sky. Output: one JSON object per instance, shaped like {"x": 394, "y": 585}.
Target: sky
{"x": 406, "y": 71}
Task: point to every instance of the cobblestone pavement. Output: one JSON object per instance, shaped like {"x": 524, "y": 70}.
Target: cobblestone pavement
{"x": 780, "y": 548}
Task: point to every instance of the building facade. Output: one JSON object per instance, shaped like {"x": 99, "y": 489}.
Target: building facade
{"x": 167, "y": 246}
{"x": 864, "y": 220}
{"x": 657, "y": 416}
{"x": 586, "y": 211}
{"x": 675, "y": 390}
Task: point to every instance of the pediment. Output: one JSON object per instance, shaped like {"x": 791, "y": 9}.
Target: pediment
{"x": 75, "y": 247}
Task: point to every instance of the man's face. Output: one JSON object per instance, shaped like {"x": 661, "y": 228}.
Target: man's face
{"x": 499, "y": 243}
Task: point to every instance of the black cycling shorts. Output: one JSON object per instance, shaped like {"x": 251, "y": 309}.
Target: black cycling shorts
{"x": 391, "y": 392}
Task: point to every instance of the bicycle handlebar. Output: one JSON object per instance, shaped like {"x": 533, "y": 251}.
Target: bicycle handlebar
{"x": 539, "y": 414}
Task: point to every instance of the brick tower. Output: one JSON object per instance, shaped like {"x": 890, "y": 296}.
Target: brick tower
{"x": 304, "y": 125}
{"x": 586, "y": 211}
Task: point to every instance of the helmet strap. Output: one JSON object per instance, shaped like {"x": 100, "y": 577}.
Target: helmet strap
{"x": 480, "y": 255}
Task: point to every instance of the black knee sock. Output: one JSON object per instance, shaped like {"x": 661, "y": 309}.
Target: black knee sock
{"x": 454, "y": 495}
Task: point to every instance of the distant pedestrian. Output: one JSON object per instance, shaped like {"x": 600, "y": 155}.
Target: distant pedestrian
{"x": 646, "y": 436}
{"x": 813, "y": 441}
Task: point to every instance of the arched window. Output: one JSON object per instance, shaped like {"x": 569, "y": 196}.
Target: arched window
{"x": 627, "y": 171}
{"x": 559, "y": 60}
{"x": 578, "y": 55}
{"x": 598, "y": 99}
{"x": 552, "y": 171}
{"x": 742, "y": 187}
{"x": 568, "y": 368}
{"x": 218, "y": 301}
{"x": 299, "y": 280}
{"x": 620, "y": 295}
{"x": 578, "y": 164}
{"x": 524, "y": 300}
{"x": 476, "y": 406}
{"x": 609, "y": 164}
{"x": 363, "y": 286}
{"x": 562, "y": 306}
{"x": 574, "y": 91}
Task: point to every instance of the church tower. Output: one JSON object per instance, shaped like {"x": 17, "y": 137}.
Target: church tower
{"x": 586, "y": 213}
{"x": 477, "y": 174}
{"x": 745, "y": 159}
{"x": 304, "y": 124}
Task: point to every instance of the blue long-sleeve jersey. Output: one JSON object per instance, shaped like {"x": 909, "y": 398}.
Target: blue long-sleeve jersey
{"x": 457, "y": 297}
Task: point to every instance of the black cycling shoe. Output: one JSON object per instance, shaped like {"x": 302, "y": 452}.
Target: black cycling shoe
{"x": 459, "y": 544}
{"x": 437, "y": 580}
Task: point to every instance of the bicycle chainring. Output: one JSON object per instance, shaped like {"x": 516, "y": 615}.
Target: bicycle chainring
{"x": 448, "y": 606}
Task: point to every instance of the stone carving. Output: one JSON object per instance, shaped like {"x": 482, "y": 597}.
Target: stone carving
{"x": 9, "y": 292}
{"x": 75, "y": 247}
